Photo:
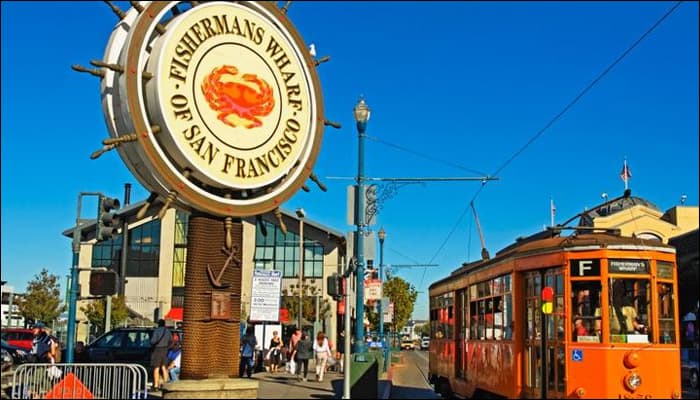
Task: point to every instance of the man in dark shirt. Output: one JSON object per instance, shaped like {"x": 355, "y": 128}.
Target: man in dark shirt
{"x": 160, "y": 341}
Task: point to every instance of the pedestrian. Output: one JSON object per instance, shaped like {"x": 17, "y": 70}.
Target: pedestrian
{"x": 296, "y": 336}
{"x": 275, "y": 351}
{"x": 174, "y": 356}
{"x": 160, "y": 342}
{"x": 321, "y": 353}
{"x": 340, "y": 351}
{"x": 302, "y": 352}
{"x": 248, "y": 345}
{"x": 44, "y": 346}
{"x": 80, "y": 354}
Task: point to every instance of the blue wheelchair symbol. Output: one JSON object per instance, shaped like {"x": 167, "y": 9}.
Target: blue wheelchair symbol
{"x": 577, "y": 355}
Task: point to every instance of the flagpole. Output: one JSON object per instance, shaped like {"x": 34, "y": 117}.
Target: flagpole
{"x": 626, "y": 174}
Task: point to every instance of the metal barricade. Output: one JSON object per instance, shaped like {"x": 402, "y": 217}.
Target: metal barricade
{"x": 73, "y": 381}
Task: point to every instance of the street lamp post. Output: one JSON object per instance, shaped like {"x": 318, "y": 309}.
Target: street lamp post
{"x": 361, "y": 113}
{"x": 382, "y": 236}
{"x": 301, "y": 215}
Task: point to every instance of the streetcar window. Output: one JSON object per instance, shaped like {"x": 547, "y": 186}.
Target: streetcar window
{"x": 585, "y": 298}
{"x": 473, "y": 333}
{"x": 491, "y": 310}
{"x": 629, "y": 310}
{"x": 667, "y": 323}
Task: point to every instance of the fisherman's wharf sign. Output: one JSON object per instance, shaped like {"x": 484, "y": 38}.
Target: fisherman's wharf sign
{"x": 219, "y": 106}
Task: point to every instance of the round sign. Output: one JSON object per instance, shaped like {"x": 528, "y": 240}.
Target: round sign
{"x": 224, "y": 102}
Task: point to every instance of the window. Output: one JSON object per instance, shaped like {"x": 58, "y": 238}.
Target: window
{"x": 281, "y": 252}
{"x": 144, "y": 249}
{"x": 585, "y": 300}
{"x": 107, "y": 254}
{"x": 667, "y": 330}
{"x": 629, "y": 310}
{"x": 491, "y": 310}
{"x": 180, "y": 251}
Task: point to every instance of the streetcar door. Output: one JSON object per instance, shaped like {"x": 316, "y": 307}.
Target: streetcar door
{"x": 542, "y": 381}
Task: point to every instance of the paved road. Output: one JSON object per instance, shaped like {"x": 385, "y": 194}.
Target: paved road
{"x": 410, "y": 377}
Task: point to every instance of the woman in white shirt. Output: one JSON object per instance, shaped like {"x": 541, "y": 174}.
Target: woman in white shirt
{"x": 321, "y": 352}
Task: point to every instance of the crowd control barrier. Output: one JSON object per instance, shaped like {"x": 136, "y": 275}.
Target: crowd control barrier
{"x": 80, "y": 381}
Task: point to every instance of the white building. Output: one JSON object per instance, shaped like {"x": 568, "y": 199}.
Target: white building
{"x": 8, "y": 319}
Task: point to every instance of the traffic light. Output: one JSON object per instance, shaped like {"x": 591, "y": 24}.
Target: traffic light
{"x": 103, "y": 283}
{"x": 547, "y": 300}
{"x": 335, "y": 286}
{"x": 107, "y": 221}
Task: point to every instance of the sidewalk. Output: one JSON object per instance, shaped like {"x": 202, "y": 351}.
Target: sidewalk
{"x": 282, "y": 385}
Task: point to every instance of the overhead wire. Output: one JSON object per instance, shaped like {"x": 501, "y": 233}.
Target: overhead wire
{"x": 553, "y": 120}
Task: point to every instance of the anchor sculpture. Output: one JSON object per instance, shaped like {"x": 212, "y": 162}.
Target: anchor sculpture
{"x": 216, "y": 282}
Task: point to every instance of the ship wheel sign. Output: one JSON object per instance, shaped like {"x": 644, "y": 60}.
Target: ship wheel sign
{"x": 213, "y": 106}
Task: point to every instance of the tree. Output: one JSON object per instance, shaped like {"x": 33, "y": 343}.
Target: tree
{"x": 403, "y": 295}
{"x": 290, "y": 301}
{"x": 95, "y": 312}
{"x": 42, "y": 300}
{"x": 423, "y": 330}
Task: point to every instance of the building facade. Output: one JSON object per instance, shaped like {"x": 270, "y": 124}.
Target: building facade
{"x": 156, "y": 261}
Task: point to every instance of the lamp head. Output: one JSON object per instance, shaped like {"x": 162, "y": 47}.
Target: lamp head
{"x": 301, "y": 213}
{"x": 361, "y": 112}
{"x": 381, "y": 234}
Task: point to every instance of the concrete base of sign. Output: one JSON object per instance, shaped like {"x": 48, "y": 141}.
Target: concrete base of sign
{"x": 218, "y": 388}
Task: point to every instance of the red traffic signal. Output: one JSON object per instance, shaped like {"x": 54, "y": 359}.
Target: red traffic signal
{"x": 547, "y": 293}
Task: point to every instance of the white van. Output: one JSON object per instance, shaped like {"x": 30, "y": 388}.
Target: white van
{"x": 425, "y": 343}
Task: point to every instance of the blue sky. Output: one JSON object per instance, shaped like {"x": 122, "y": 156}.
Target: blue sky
{"x": 456, "y": 89}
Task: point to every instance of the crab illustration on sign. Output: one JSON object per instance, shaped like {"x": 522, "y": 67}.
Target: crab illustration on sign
{"x": 245, "y": 96}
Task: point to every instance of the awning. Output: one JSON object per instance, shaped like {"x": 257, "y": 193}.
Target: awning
{"x": 175, "y": 313}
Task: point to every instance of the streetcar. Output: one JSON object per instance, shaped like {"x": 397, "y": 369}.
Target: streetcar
{"x": 590, "y": 314}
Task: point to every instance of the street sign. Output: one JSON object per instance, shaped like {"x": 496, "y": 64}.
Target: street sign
{"x": 388, "y": 313}
{"x": 373, "y": 289}
{"x": 265, "y": 297}
{"x": 370, "y": 247}
{"x": 370, "y": 203}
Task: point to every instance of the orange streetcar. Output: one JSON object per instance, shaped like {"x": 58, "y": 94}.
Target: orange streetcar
{"x": 589, "y": 315}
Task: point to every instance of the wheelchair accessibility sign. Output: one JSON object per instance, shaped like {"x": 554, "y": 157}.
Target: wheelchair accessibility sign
{"x": 576, "y": 355}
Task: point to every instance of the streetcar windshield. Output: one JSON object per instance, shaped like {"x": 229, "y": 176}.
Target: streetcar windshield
{"x": 629, "y": 310}
{"x": 585, "y": 299}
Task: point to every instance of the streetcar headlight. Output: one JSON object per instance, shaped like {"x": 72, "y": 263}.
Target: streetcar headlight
{"x": 633, "y": 381}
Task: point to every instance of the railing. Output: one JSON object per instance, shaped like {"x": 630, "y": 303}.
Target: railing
{"x": 74, "y": 381}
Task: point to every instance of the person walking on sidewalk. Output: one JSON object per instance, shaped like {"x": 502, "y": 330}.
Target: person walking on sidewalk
{"x": 160, "y": 342}
{"x": 302, "y": 351}
{"x": 248, "y": 345}
{"x": 322, "y": 351}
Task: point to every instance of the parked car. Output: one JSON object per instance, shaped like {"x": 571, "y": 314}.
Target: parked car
{"x": 689, "y": 367}
{"x": 124, "y": 345}
{"x": 18, "y": 337}
{"x": 425, "y": 343}
{"x": 19, "y": 354}
{"x": 407, "y": 344}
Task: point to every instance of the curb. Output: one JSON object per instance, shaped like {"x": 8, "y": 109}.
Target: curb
{"x": 388, "y": 384}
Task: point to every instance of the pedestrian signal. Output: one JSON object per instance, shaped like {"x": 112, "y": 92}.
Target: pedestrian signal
{"x": 103, "y": 283}
{"x": 334, "y": 286}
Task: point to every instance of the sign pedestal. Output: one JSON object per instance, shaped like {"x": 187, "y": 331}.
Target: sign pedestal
{"x": 212, "y": 388}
